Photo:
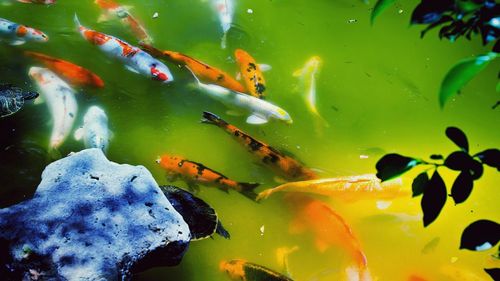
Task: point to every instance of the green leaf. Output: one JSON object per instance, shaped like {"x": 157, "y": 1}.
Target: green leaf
{"x": 460, "y": 74}
{"x": 458, "y": 137}
{"x": 380, "y": 6}
{"x": 392, "y": 165}
{"x": 433, "y": 199}
{"x": 419, "y": 184}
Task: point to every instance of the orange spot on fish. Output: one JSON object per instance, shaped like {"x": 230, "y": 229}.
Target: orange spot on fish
{"x": 21, "y": 31}
{"x": 158, "y": 75}
{"x": 95, "y": 37}
{"x": 127, "y": 50}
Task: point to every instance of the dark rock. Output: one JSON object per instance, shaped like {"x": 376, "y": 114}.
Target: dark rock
{"x": 90, "y": 219}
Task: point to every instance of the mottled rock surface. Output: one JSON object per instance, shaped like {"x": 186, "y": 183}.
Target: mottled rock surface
{"x": 90, "y": 219}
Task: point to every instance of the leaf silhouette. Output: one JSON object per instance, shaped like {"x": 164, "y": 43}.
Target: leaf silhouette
{"x": 462, "y": 187}
{"x": 480, "y": 235}
{"x": 493, "y": 273}
{"x": 430, "y": 11}
{"x": 379, "y": 7}
{"x": 392, "y": 165}
{"x": 433, "y": 199}
{"x": 458, "y": 161}
{"x": 437, "y": 157}
{"x": 419, "y": 184}
{"x": 458, "y": 137}
{"x": 490, "y": 157}
{"x": 460, "y": 74}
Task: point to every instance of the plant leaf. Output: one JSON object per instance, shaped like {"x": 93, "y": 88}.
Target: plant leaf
{"x": 480, "y": 235}
{"x": 437, "y": 157}
{"x": 434, "y": 198}
{"x": 460, "y": 74}
{"x": 490, "y": 157}
{"x": 379, "y": 7}
{"x": 419, "y": 184}
{"x": 392, "y": 165}
{"x": 493, "y": 273}
{"x": 428, "y": 12}
{"x": 462, "y": 187}
{"x": 458, "y": 161}
{"x": 458, "y": 137}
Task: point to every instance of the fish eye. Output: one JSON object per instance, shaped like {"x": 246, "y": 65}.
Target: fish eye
{"x": 153, "y": 65}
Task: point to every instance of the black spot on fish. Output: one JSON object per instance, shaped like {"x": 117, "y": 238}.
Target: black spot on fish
{"x": 255, "y": 145}
{"x": 271, "y": 158}
{"x": 236, "y": 133}
{"x": 12, "y": 26}
{"x": 260, "y": 88}
{"x": 252, "y": 66}
{"x": 220, "y": 77}
{"x": 200, "y": 170}
{"x": 180, "y": 163}
{"x": 219, "y": 179}
{"x": 71, "y": 115}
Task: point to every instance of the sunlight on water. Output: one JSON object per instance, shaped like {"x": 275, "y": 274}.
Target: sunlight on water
{"x": 377, "y": 89}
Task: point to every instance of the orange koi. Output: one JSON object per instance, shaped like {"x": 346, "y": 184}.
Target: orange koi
{"x": 351, "y": 188}
{"x": 126, "y": 18}
{"x": 246, "y": 271}
{"x": 282, "y": 164}
{"x": 251, "y": 73}
{"x": 204, "y": 72}
{"x": 329, "y": 229}
{"x": 195, "y": 173}
{"x": 75, "y": 74}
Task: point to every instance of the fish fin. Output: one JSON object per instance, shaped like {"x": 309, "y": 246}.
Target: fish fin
{"x": 128, "y": 7}
{"x": 78, "y": 134}
{"x": 256, "y": 120}
{"x": 210, "y": 118}
{"x": 321, "y": 245}
{"x": 129, "y": 68}
{"x": 194, "y": 75}
{"x": 111, "y": 135}
{"x": 171, "y": 177}
{"x": 279, "y": 180}
{"x": 382, "y": 205}
{"x": 265, "y": 67}
{"x": 247, "y": 189}
{"x": 223, "y": 42}
{"x": 238, "y": 76}
{"x": 77, "y": 21}
{"x": 103, "y": 17}
{"x": 233, "y": 112}
{"x": 17, "y": 42}
{"x": 298, "y": 73}
{"x": 264, "y": 194}
{"x": 193, "y": 187}
{"x": 222, "y": 231}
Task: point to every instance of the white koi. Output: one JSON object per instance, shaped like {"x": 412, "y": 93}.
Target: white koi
{"x": 94, "y": 132}
{"x": 60, "y": 98}
{"x": 225, "y": 11}
{"x": 135, "y": 59}
{"x": 18, "y": 34}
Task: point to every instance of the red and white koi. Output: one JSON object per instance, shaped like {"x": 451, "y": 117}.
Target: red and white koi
{"x": 111, "y": 8}
{"x": 18, "y": 34}
{"x": 60, "y": 98}
{"x": 225, "y": 11}
{"x": 44, "y": 2}
{"x": 135, "y": 59}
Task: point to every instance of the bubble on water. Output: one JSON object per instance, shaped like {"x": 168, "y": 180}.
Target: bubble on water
{"x": 250, "y": 11}
{"x": 156, "y": 15}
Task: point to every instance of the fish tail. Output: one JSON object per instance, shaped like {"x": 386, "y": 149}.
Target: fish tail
{"x": 210, "y": 118}
{"x": 247, "y": 189}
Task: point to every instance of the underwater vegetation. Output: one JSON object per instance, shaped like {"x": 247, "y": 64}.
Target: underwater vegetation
{"x": 478, "y": 236}
{"x": 457, "y": 18}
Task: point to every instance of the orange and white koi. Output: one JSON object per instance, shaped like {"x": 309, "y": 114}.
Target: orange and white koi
{"x": 18, "y": 34}
{"x": 110, "y": 7}
{"x": 242, "y": 270}
{"x": 204, "y": 72}
{"x": 45, "y": 2}
{"x": 135, "y": 59}
{"x": 351, "y": 188}
{"x": 251, "y": 73}
{"x": 225, "y": 11}
{"x": 195, "y": 173}
{"x": 329, "y": 229}
{"x": 73, "y": 73}
{"x": 60, "y": 98}
{"x": 279, "y": 162}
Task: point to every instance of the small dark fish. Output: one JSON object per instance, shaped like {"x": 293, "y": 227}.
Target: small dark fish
{"x": 246, "y": 271}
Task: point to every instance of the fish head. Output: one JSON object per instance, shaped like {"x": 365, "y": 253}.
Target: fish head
{"x": 36, "y": 35}
{"x": 154, "y": 68}
{"x": 234, "y": 268}
{"x": 240, "y": 55}
{"x": 95, "y": 114}
{"x": 281, "y": 114}
{"x": 40, "y": 75}
{"x": 169, "y": 162}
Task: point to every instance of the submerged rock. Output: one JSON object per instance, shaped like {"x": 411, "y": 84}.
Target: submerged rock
{"x": 90, "y": 219}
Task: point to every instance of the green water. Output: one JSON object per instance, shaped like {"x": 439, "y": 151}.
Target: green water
{"x": 377, "y": 89}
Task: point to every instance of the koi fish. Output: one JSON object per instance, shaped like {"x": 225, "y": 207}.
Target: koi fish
{"x": 285, "y": 165}
{"x": 112, "y": 8}
{"x": 307, "y": 76}
{"x": 45, "y": 2}
{"x": 194, "y": 173}
{"x": 60, "y": 98}
{"x": 329, "y": 229}
{"x": 18, "y": 34}
{"x": 94, "y": 132}
{"x": 134, "y": 58}
{"x": 351, "y": 188}
{"x": 204, "y": 72}
{"x": 251, "y": 73}
{"x": 260, "y": 110}
{"x": 246, "y": 271}
{"x": 73, "y": 73}
{"x": 225, "y": 11}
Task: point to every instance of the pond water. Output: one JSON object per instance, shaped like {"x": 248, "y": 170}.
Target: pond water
{"x": 377, "y": 89}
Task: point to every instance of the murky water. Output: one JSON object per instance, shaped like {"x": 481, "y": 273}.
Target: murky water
{"x": 377, "y": 89}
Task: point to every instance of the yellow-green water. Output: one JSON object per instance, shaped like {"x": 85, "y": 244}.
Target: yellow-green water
{"x": 377, "y": 88}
